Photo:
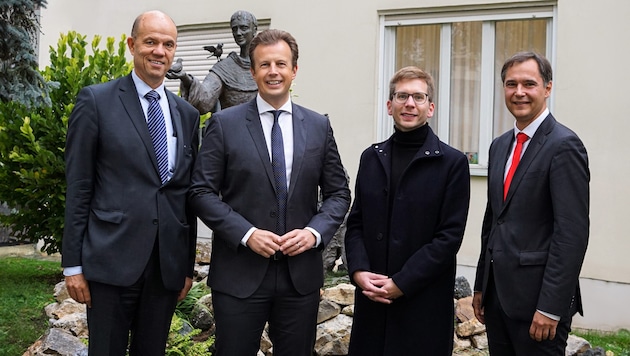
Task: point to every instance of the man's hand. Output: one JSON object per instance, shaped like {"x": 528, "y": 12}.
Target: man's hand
{"x": 479, "y": 311}
{"x": 377, "y": 287}
{"x": 263, "y": 242}
{"x": 296, "y": 241}
{"x": 78, "y": 289}
{"x": 542, "y": 327}
{"x": 186, "y": 289}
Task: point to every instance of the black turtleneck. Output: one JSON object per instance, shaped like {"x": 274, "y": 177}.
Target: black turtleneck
{"x": 405, "y": 145}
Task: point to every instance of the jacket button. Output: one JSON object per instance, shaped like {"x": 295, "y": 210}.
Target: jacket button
{"x": 379, "y": 236}
{"x": 155, "y": 221}
{"x": 500, "y": 221}
{"x": 272, "y": 214}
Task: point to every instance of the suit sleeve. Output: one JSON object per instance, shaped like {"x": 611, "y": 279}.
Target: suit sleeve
{"x": 356, "y": 253}
{"x": 335, "y": 192}
{"x": 569, "y": 187}
{"x": 190, "y": 214}
{"x": 207, "y": 180}
{"x": 80, "y": 157}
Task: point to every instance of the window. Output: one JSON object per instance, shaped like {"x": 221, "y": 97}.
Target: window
{"x": 464, "y": 51}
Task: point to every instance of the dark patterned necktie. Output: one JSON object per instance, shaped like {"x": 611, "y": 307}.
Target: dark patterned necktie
{"x": 157, "y": 129}
{"x": 279, "y": 172}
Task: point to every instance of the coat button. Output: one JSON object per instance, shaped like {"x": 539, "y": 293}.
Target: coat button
{"x": 272, "y": 214}
{"x": 155, "y": 221}
{"x": 379, "y": 236}
{"x": 500, "y": 221}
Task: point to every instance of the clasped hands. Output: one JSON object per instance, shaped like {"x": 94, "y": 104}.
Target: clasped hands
{"x": 266, "y": 243}
{"x": 377, "y": 287}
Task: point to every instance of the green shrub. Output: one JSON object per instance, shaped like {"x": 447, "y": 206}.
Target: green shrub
{"x": 32, "y": 140}
{"x": 185, "y": 306}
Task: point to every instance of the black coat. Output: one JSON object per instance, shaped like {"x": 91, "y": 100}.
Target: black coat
{"x": 417, "y": 248}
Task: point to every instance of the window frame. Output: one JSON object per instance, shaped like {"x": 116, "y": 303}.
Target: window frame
{"x": 445, "y": 16}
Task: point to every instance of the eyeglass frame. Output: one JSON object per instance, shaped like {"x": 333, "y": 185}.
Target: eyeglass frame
{"x": 395, "y": 97}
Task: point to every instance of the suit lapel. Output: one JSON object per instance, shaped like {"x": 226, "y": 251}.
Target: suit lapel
{"x": 254, "y": 127}
{"x": 299, "y": 146}
{"x": 499, "y": 160}
{"x": 131, "y": 103}
{"x": 176, "y": 121}
{"x": 534, "y": 147}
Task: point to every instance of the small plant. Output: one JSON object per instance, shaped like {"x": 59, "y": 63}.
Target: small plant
{"x": 185, "y": 306}
{"x": 180, "y": 342}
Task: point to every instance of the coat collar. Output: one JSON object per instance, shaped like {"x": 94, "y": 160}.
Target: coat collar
{"x": 430, "y": 149}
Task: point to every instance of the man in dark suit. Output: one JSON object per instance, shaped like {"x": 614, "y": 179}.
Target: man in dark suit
{"x": 129, "y": 239}
{"x": 255, "y": 184}
{"x": 535, "y": 230}
{"x": 404, "y": 230}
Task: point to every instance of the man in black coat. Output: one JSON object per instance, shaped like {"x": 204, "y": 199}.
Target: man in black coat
{"x": 404, "y": 230}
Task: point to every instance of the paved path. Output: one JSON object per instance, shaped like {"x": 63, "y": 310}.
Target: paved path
{"x": 28, "y": 250}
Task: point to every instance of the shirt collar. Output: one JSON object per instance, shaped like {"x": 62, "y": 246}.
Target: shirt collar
{"x": 264, "y": 106}
{"x": 530, "y": 130}
{"x": 143, "y": 88}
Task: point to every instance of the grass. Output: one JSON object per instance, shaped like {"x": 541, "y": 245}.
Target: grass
{"x": 617, "y": 342}
{"x": 26, "y": 287}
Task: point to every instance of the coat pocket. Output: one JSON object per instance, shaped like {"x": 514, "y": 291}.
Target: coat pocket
{"x": 533, "y": 258}
{"x": 114, "y": 217}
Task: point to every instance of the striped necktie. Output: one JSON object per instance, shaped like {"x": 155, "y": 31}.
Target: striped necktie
{"x": 157, "y": 129}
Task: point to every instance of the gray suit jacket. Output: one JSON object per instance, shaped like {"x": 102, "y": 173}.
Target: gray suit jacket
{"x": 536, "y": 239}
{"x": 233, "y": 191}
{"x": 116, "y": 205}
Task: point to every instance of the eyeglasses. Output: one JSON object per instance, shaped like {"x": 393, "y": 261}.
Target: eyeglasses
{"x": 419, "y": 97}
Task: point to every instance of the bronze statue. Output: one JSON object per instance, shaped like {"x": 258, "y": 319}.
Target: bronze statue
{"x": 230, "y": 81}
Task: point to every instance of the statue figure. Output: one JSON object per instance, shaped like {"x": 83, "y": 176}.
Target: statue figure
{"x": 230, "y": 81}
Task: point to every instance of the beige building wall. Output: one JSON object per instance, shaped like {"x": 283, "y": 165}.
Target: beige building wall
{"x": 339, "y": 75}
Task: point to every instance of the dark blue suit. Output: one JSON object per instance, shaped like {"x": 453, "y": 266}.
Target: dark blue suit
{"x": 233, "y": 191}
{"x": 120, "y": 219}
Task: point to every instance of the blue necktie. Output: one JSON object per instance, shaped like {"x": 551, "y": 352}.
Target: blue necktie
{"x": 279, "y": 172}
{"x": 157, "y": 129}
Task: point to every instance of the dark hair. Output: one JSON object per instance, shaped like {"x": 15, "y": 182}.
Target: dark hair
{"x": 270, "y": 37}
{"x": 247, "y": 16}
{"x": 411, "y": 72}
{"x": 544, "y": 67}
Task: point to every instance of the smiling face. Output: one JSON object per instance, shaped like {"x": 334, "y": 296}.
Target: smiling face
{"x": 409, "y": 115}
{"x": 525, "y": 92}
{"x": 273, "y": 71}
{"x": 152, "y": 45}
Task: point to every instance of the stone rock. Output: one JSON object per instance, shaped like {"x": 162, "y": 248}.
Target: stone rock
{"x": 464, "y": 310}
{"x": 57, "y": 342}
{"x": 480, "y": 341}
{"x": 61, "y": 293}
{"x": 598, "y": 351}
{"x": 470, "y": 328}
{"x": 462, "y": 288}
{"x": 65, "y": 307}
{"x": 348, "y": 310}
{"x": 576, "y": 345}
{"x": 74, "y": 323}
{"x": 206, "y": 300}
{"x": 333, "y": 336}
{"x": 200, "y": 272}
{"x": 342, "y": 294}
{"x": 459, "y": 344}
{"x": 265, "y": 343}
{"x": 201, "y": 317}
{"x": 327, "y": 310}
{"x": 204, "y": 250}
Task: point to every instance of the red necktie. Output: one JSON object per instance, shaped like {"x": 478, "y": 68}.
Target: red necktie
{"x": 516, "y": 158}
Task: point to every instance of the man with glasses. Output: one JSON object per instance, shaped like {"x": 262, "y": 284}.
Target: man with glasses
{"x": 405, "y": 228}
